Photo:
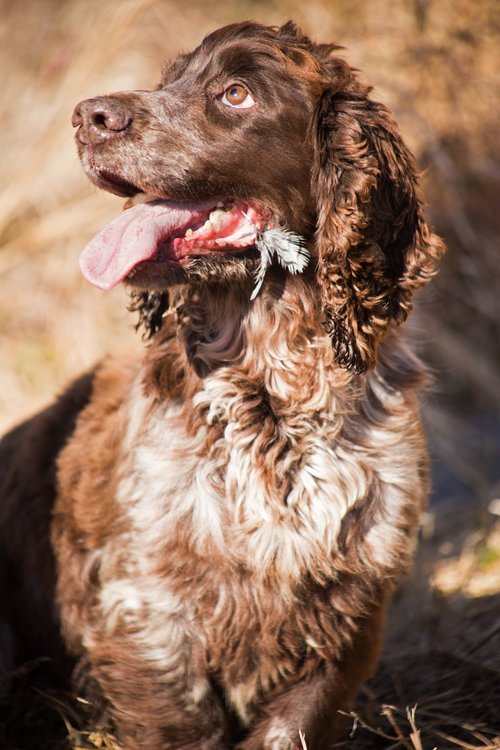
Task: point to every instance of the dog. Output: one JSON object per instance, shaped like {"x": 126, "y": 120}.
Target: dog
{"x": 211, "y": 535}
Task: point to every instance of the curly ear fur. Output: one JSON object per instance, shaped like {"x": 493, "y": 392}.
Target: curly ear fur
{"x": 151, "y": 307}
{"x": 374, "y": 248}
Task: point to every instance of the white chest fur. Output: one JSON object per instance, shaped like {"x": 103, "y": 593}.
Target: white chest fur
{"x": 254, "y": 491}
{"x": 263, "y": 491}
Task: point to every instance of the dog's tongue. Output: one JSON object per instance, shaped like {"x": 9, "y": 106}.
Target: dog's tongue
{"x": 133, "y": 237}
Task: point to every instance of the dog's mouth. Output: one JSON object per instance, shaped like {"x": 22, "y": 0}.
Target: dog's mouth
{"x": 169, "y": 233}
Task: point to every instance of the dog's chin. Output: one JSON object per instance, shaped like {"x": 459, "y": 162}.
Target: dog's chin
{"x": 228, "y": 269}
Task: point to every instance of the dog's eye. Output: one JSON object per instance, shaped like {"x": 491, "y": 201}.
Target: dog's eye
{"x": 238, "y": 97}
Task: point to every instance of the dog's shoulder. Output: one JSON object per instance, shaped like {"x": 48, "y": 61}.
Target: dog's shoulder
{"x": 28, "y": 453}
{"x": 28, "y": 456}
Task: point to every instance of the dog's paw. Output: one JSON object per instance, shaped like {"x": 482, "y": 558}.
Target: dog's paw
{"x": 279, "y": 736}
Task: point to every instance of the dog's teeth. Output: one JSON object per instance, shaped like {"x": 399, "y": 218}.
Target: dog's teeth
{"x": 189, "y": 232}
{"x": 216, "y": 217}
{"x": 220, "y": 204}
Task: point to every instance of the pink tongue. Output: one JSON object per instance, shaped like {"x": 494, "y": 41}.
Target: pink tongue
{"x": 131, "y": 238}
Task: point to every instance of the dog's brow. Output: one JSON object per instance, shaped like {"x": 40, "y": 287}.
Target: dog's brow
{"x": 174, "y": 68}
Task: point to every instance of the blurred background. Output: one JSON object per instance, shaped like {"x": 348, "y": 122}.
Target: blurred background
{"x": 436, "y": 64}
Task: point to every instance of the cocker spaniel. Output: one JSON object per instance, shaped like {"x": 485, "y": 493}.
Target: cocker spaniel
{"x": 221, "y": 524}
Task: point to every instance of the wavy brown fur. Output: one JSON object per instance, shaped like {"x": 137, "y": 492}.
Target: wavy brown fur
{"x": 229, "y": 517}
{"x": 374, "y": 247}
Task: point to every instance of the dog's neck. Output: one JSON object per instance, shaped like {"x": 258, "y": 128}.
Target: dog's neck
{"x": 276, "y": 341}
{"x": 210, "y": 326}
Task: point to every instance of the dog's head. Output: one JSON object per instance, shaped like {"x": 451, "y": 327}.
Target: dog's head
{"x": 260, "y": 128}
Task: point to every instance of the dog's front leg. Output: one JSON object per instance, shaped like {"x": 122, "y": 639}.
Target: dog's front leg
{"x": 136, "y": 640}
{"x": 312, "y": 712}
{"x": 158, "y": 708}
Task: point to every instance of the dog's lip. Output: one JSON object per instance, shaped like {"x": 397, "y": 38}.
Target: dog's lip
{"x": 114, "y": 183}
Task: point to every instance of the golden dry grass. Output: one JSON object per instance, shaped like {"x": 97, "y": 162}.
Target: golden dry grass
{"x": 436, "y": 64}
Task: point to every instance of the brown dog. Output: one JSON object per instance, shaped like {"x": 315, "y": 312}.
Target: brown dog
{"x": 229, "y": 516}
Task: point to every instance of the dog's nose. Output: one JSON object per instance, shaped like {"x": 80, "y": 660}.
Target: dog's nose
{"x": 100, "y": 119}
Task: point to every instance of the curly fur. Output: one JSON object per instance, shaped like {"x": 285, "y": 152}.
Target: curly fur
{"x": 223, "y": 523}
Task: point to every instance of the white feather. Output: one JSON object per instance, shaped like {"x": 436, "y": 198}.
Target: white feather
{"x": 288, "y": 248}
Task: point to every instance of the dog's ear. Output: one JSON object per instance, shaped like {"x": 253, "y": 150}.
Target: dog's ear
{"x": 374, "y": 247}
{"x": 151, "y": 307}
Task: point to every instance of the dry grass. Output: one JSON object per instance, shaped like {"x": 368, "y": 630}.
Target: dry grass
{"x": 436, "y": 64}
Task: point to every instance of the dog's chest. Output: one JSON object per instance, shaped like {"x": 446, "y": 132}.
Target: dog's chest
{"x": 229, "y": 509}
{"x": 225, "y": 522}
{"x": 242, "y": 488}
